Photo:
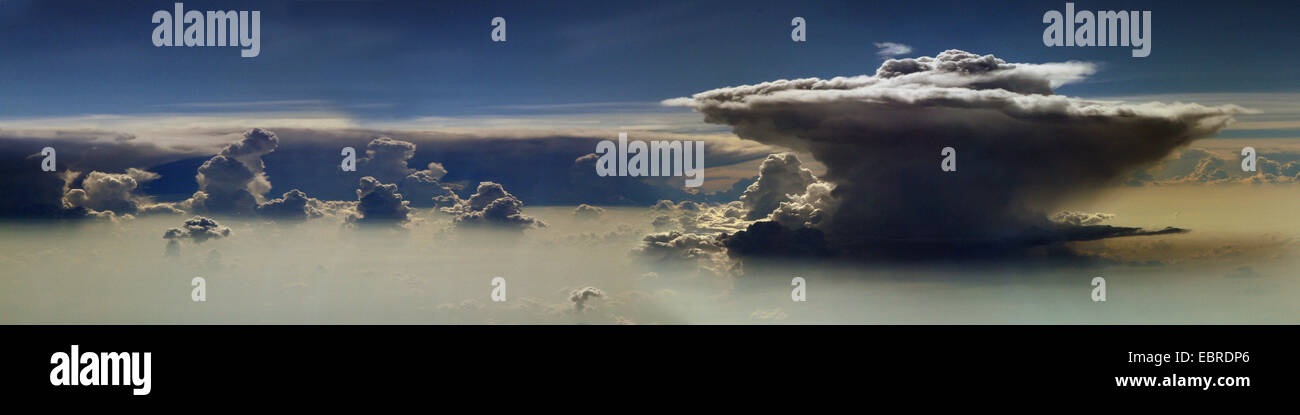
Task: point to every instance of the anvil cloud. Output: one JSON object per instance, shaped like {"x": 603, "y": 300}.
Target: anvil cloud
{"x": 1021, "y": 149}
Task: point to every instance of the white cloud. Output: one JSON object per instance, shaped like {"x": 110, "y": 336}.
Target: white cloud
{"x": 888, "y": 49}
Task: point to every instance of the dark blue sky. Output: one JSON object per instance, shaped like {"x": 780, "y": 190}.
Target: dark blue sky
{"x": 392, "y": 60}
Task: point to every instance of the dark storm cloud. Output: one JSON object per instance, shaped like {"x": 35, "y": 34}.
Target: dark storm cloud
{"x": 766, "y": 238}
{"x": 1020, "y": 148}
{"x": 198, "y": 229}
{"x": 379, "y": 203}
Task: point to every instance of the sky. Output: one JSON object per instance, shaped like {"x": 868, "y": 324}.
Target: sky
{"x": 390, "y": 61}
{"x": 477, "y": 159}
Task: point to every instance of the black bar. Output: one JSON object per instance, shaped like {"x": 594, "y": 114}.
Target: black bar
{"x": 473, "y": 363}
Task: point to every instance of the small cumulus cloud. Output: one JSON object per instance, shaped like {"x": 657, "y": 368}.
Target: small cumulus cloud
{"x": 585, "y": 211}
{"x": 197, "y": 229}
{"x": 582, "y": 296}
{"x": 891, "y": 49}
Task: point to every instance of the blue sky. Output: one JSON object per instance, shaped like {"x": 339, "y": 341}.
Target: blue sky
{"x": 397, "y": 60}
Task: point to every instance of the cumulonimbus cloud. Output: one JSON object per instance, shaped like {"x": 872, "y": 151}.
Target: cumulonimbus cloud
{"x": 1021, "y": 149}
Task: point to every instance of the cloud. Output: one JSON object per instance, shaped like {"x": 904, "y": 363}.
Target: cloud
{"x": 580, "y": 297}
{"x": 100, "y": 192}
{"x": 233, "y": 181}
{"x": 1021, "y": 150}
{"x": 1081, "y": 218}
{"x": 686, "y": 252}
{"x": 26, "y": 191}
{"x": 585, "y": 211}
{"x": 888, "y": 49}
{"x": 293, "y": 205}
{"x": 668, "y": 205}
{"x": 767, "y": 238}
{"x": 779, "y": 176}
{"x": 664, "y": 223}
{"x": 1198, "y": 166}
{"x": 379, "y": 203}
{"x": 198, "y": 229}
{"x": 492, "y": 205}
{"x": 676, "y": 246}
{"x": 808, "y": 209}
{"x": 424, "y": 187}
{"x": 699, "y": 218}
{"x": 307, "y": 159}
{"x": 386, "y": 160}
